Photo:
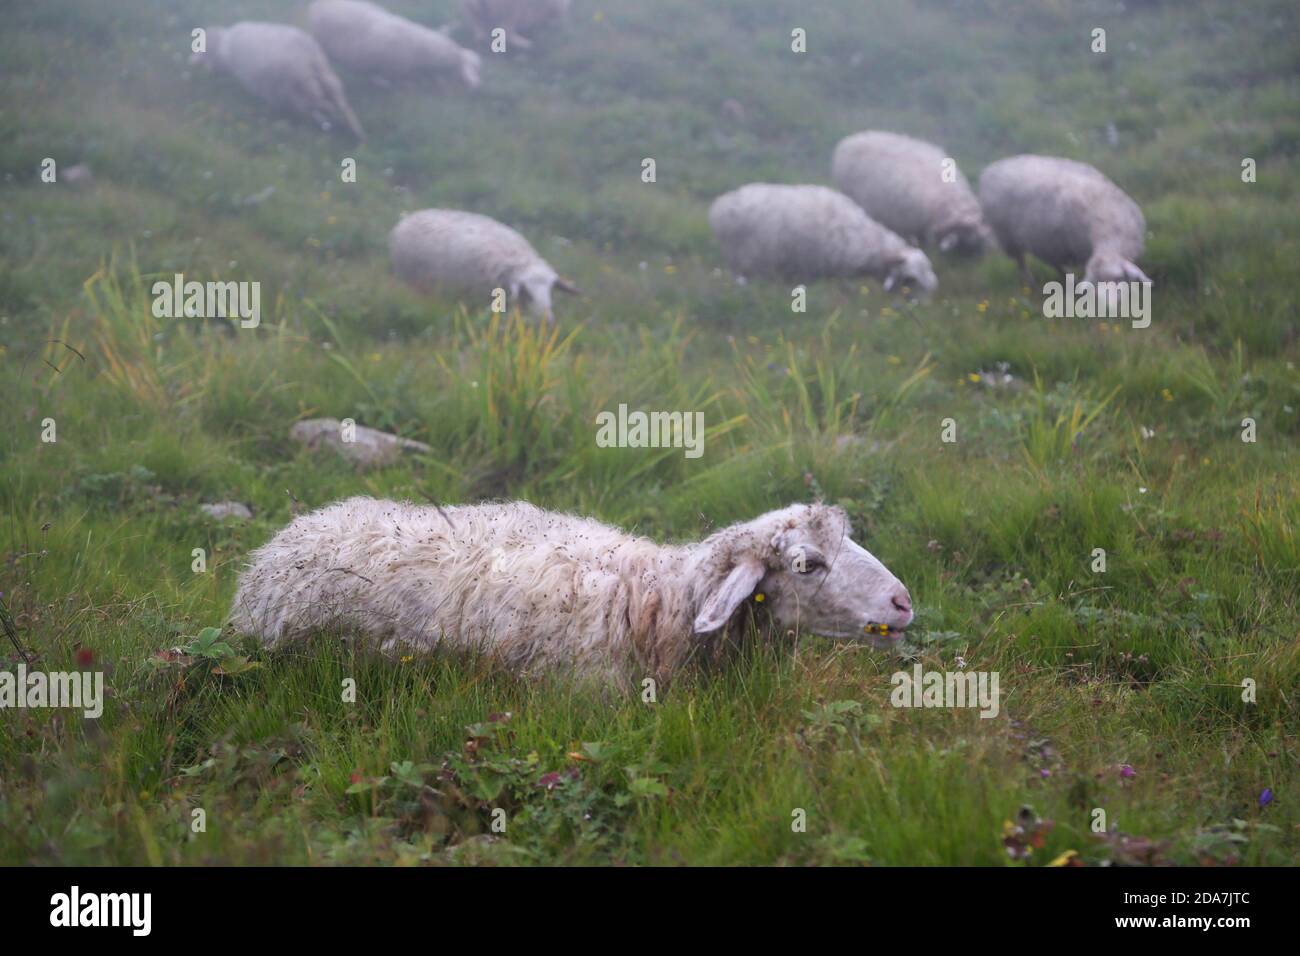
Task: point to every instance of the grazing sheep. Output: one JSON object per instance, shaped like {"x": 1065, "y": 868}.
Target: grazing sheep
{"x": 803, "y": 232}
{"x": 900, "y": 182}
{"x": 540, "y": 590}
{"x": 463, "y": 251}
{"x": 1065, "y": 213}
{"x": 368, "y": 39}
{"x": 517, "y": 17}
{"x": 282, "y": 65}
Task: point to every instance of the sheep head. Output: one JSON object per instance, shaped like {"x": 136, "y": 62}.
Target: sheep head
{"x": 1112, "y": 267}
{"x": 911, "y": 268}
{"x": 533, "y": 286}
{"x": 967, "y": 237}
{"x": 802, "y": 567}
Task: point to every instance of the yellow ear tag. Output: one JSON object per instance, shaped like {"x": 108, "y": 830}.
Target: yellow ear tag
{"x": 759, "y": 597}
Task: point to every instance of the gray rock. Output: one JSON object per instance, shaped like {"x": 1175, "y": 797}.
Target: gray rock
{"x": 78, "y": 175}
{"x": 222, "y": 510}
{"x": 370, "y": 448}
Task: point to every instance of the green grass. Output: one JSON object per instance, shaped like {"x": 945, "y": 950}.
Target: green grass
{"x": 1105, "y": 437}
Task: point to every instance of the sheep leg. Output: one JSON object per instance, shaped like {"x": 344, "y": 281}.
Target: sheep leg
{"x": 349, "y": 117}
{"x": 305, "y": 99}
{"x": 331, "y": 92}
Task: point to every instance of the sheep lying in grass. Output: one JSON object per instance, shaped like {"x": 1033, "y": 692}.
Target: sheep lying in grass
{"x": 282, "y": 65}
{"x": 517, "y": 17}
{"x": 368, "y": 39}
{"x": 901, "y": 183}
{"x": 462, "y": 251}
{"x": 1065, "y": 213}
{"x": 806, "y": 232}
{"x": 540, "y": 590}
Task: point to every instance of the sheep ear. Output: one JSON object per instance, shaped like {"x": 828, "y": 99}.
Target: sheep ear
{"x": 722, "y": 603}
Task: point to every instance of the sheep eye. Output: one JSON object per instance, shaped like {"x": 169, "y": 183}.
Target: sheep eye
{"x": 809, "y": 565}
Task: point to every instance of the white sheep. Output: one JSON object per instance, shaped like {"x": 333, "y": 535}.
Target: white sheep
{"x": 516, "y": 17}
{"x": 438, "y": 249}
{"x": 1065, "y": 213}
{"x": 284, "y": 66}
{"x": 540, "y": 590}
{"x": 912, "y": 187}
{"x": 805, "y": 232}
{"x": 368, "y": 39}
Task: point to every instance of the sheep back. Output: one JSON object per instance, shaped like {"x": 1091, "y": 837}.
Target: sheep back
{"x": 800, "y": 232}
{"x": 459, "y": 250}
{"x": 367, "y": 38}
{"x": 1060, "y": 210}
{"x": 899, "y": 181}
{"x": 285, "y": 67}
{"x": 528, "y": 587}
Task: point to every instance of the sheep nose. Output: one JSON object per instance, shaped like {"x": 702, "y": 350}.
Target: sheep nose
{"x": 901, "y": 600}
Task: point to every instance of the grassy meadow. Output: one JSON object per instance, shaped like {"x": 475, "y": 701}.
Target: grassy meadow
{"x": 1122, "y": 691}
